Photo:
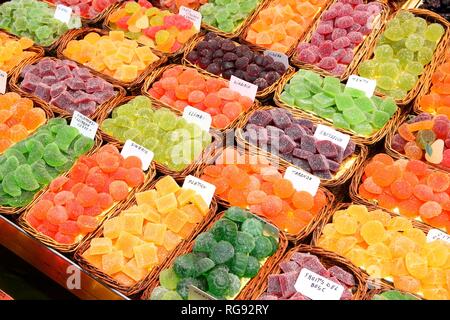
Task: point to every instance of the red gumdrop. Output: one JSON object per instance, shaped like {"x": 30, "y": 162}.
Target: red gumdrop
{"x": 109, "y": 148}
{"x": 33, "y": 221}
{"x": 93, "y": 211}
{"x": 132, "y": 162}
{"x": 43, "y": 228}
{"x": 57, "y": 215}
{"x": 118, "y": 190}
{"x": 87, "y": 196}
{"x": 108, "y": 162}
{"x": 57, "y": 184}
{"x": 87, "y": 160}
{"x": 74, "y": 209}
{"x": 79, "y": 172}
{"x": 62, "y": 197}
{"x": 64, "y": 238}
{"x": 97, "y": 180}
{"x": 120, "y": 174}
{"x": 87, "y": 223}
{"x": 134, "y": 177}
{"x": 40, "y": 209}
{"x": 76, "y": 188}
{"x": 105, "y": 200}
{"x": 48, "y": 196}
{"x": 69, "y": 185}
{"x": 122, "y": 23}
{"x": 69, "y": 227}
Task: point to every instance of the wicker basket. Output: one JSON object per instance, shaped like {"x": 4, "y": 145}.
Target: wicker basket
{"x": 15, "y": 80}
{"x": 348, "y": 167}
{"x": 16, "y": 210}
{"x": 430, "y": 17}
{"x": 263, "y": 94}
{"x": 367, "y": 140}
{"x": 294, "y": 238}
{"x": 140, "y": 285}
{"x": 359, "y": 51}
{"x": 177, "y": 175}
{"x": 66, "y": 248}
{"x": 371, "y": 284}
{"x": 291, "y": 50}
{"x": 249, "y": 287}
{"x": 77, "y": 34}
{"x": 155, "y": 75}
{"x": 328, "y": 259}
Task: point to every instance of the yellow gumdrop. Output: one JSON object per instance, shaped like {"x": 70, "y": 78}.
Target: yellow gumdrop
{"x": 92, "y": 37}
{"x": 379, "y": 250}
{"x": 398, "y": 267}
{"x": 416, "y": 265}
{"x": 436, "y": 253}
{"x": 434, "y": 278}
{"x": 416, "y": 235}
{"x": 357, "y": 256}
{"x": 401, "y": 245}
{"x": 345, "y": 244}
{"x": 25, "y": 43}
{"x": 436, "y": 293}
{"x": 346, "y": 225}
{"x": 407, "y": 283}
{"x": 373, "y": 232}
{"x": 399, "y": 224}
{"x": 380, "y": 215}
{"x": 359, "y": 212}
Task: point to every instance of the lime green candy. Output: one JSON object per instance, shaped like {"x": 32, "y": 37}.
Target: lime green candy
{"x": 394, "y": 295}
{"x": 174, "y": 142}
{"x": 347, "y": 108}
{"x": 34, "y": 19}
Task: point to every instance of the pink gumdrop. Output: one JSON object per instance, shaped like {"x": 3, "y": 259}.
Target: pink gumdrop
{"x": 337, "y": 33}
{"x": 69, "y": 227}
{"x": 446, "y": 160}
{"x": 328, "y": 63}
{"x": 341, "y": 43}
{"x": 324, "y": 28}
{"x": 57, "y": 215}
{"x": 325, "y": 49}
{"x": 62, "y": 197}
{"x": 64, "y": 238}
{"x": 307, "y": 56}
{"x": 344, "y": 22}
{"x": 317, "y": 39}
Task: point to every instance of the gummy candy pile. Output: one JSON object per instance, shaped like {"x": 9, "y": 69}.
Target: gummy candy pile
{"x": 224, "y": 57}
{"x": 64, "y": 84}
{"x": 282, "y": 286}
{"x": 34, "y": 19}
{"x": 390, "y": 247}
{"x": 174, "y": 142}
{"x": 13, "y": 51}
{"x": 111, "y": 54}
{"x": 144, "y": 235}
{"x": 409, "y": 188}
{"x": 71, "y": 206}
{"x": 18, "y": 118}
{"x": 227, "y": 15}
{"x": 277, "y": 131}
{"x": 181, "y": 86}
{"x": 85, "y": 8}
{"x": 34, "y": 162}
{"x": 394, "y": 295}
{"x": 341, "y": 29}
{"x": 232, "y": 249}
{"x": 425, "y": 137}
{"x": 250, "y": 182}
{"x": 279, "y": 26}
{"x": 328, "y": 98}
{"x": 438, "y": 99}
{"x": 174, "y": 5}
{"x": 156, "y": 28}
{"x": 402, "y": 51}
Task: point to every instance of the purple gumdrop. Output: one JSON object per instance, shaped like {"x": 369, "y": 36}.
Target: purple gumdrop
{"x": 328, "y": 63}
{"x": 326, "y": 148}
{"x": 261, "y": 118}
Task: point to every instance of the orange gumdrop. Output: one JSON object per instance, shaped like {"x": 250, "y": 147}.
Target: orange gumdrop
{"x": 134, "y": 177}
{"x": 405, "y": 133}
{"x": 401, "y": 189}
{"x": 132, "y": 162}
{"x": 34, "y": 118}
{"x": 237, "y": 198}
{"x": 283, "y": 188}
{"x": 18, "y": 132}
{"x": 302, "y": 200}
{"x": 417, "y": 167}
{"x": 271, "y": 206}
{"x": 220, "y": 121}
{"x": 221, "y": 185}
{"x": 256, "y": 197}
{"x": 438, "y": 181}
{"x": 383, "y": 158}
{"x": 320, "y": 200}
{"x": 118, "y": 190}
{"x": 372, "y": 166}
{"x": 5, "y": 143}
{"x": 386, "y": 201}
{"x": 410, "y": 207}
{"x": 385, "y": 175}
{"x": 213, "y": 171}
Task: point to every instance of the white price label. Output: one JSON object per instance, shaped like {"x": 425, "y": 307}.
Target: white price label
{"x": 131, "y": 148}
{"x": 86, "y": 126}
{"x": 316, "y": 287}
{"x": 278, "y": 56}
{"x": 435, "y": 234}
{"x": 203, "y": 188}
{"x": 200, "y": 118}
{"x": 302, "y": 180}
{"x": 63, "y": 13}
{"x": 3, "y": 81}
{"x": 243, "y": 87}
{"x": 363, "y": 84}
{"x": 326, "y": 133}
{"x": 194, "y": 16}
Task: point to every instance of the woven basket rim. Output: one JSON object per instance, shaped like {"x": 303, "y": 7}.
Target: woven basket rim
{"x": 154, "y": 273}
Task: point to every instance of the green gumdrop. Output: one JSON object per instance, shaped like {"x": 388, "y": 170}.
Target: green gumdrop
{"x": 323, "y": 100}
{"x": 56, "y": 122}
{"x": 158, "y": 293}
{"x": 82, "y": 145}
{"x": 354, "y": 116}
{"x": 66, "y": 166}
{"x": 171, "y": 295}
{"x": 379, "y": 119}
{"x": 204, "y": 243}
{"x": 424, "y": 138}
{"x": 253, "y": 267}
{"x": 184, "y": 284}
{"x": 378, "y": 297}
{"x": 53, "y": 156}
{"x": 239, "y": 264}
{"x": 166, "y": 120}
{"x": 244, "y": 243}
{"x": 253, "y": 226}
{"x": 17, "y": 202}
{"x": 35, "y": 150}
{"x": 168, "y": 279}
{"x": 237, "y": 214}
{"x": 235, "y": 285}
{"x": 44, "y": 137}
{"x": 21, "y": 146}
{"x": 274, "y": 245}
{"x": 56, "y": 128}
{"x": 65, "y": 137}
{"x": 287, "y": 98}
{"x": 388, "y": 105}
{"x": 224, "y": 229}
{"x": 221, "y": 252}
{"x": 10, "y": 186}
{"x": 13, "y": 152}
{"x": 142, "y": 102}
{"x": 10, "y": 164}
{"x": 40, "y": 172}
{"x": 344, "y": 102}
{"x": 365, "y": 104}
{"x": 218, "y": 282}
{"x": 263, "y": 247}
{"x": 204, "y": 265}
{"x": 364, "y": 129}
{"x": 25, "y": 179}
{"x": 184, "y": 266}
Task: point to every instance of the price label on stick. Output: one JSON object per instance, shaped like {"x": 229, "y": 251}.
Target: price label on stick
{"x": 131, "y": 148}
{"x": 302, "y": 180}
{"x": 63, "y": 13}
{"x": 278, "y": 56}
{"x": 200, "y": 118}
{"x": 243, "y": 87}
{"x": 326, "y": 133}
{"x": 194, "y": 16}
{"x": 86, "y": 126}
{"x": 203, "y": 188}
{"x": 316, "y": 287}
{"x": 3, "y": 81}
{"x": 435, "y": 234}
{"x": 363, "y": 84}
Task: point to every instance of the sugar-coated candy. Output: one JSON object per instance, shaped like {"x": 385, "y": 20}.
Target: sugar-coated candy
{"x": 89, "y": 9}
{"x": 388, "y": 246}
{"x": 218, "y": 259}
{"x": 14, "y": 51}
{"x": 174, "y": 5}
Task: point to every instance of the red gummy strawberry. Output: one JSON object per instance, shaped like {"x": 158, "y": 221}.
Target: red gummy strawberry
{"x": 145, "y": 4}
{"x": 176, "y": 46}
{"x": 151, "y": 32}
{"x": 123, "y": 23}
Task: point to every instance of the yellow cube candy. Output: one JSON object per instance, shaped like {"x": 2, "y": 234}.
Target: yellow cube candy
{"x": 139, "y": 65}
{"x": 132, "y": 44}
{"x": 92, "y": 37}
{"x": 112, "y": 62}
{"x": 147, "y": 197}
{"x": 184, "y": 196}
{"x": 123, "y": 279}
{"x": 132, "y": 270}
{"x": 150, "y": 214}
{"x": 126, "y": 242}
{"x": 95, "y": 260}
{"x": 154, "y": 232}
{"x": 113, "y": 262}
{"x": 166, "y": 203}
{"x": 106, "y": 47}
{"x": 112, "y": 227}
{"x": 171, "y": 240}
{"x": 117, "y": 35}
{"x": 133, "y": 223}
{"x": 124, "y": 54}
{"x": 167, "y": 185}
{"x": 145, "y": 54}
{"x": 126, "y": 73}
{"x": 193, "y": 213}
{"x": 200, "y": 204}
{"x": 187, "y": 230}
{"x": 146, "y": 255}
{"x": 175, "y": 220}
{"x": 101, "y": 246}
